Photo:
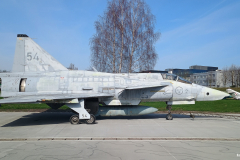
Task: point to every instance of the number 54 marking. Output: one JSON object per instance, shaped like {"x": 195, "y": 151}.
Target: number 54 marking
{"x": 29, "y": 56}
{"x": 84, "y": 115}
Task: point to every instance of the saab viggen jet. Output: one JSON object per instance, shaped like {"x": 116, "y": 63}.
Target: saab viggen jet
{"x": 37, "y": 77}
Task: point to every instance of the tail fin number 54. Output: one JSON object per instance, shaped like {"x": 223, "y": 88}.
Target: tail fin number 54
{"x": 29, "y": 56}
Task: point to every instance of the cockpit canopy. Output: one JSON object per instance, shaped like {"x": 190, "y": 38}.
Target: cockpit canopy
{"x": 169, "y": 76}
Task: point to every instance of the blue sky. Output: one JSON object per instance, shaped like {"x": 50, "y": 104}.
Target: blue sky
{"x": 193, "y": 32}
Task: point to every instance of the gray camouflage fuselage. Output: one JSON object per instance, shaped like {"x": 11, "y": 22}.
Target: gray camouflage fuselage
{"x": 81, "y": 82}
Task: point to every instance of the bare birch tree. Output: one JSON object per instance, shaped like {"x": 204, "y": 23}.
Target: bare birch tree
{"x": 125, "y": 38}
{"x": 225, "y": 76}
{"x": 238, "y": 77}
{"x": 232, "y": 74}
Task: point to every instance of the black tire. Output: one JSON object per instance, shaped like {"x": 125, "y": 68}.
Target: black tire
{"x": 74, "y": 119}
{"x": 91, "y": 120}
{"x": 169, "y": 117}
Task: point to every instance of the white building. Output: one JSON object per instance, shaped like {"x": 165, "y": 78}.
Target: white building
{"x": 210, "y": 79}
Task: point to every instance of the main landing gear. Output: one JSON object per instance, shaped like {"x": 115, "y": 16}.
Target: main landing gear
{"x": 91, "y": 120}
{"x": 74, "y": 119}
{"x": 169, "y": 115}
{"x": 81, "y": 113}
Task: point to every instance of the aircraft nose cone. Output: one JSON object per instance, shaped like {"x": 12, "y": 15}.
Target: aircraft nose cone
{"x": 209, "y": 94}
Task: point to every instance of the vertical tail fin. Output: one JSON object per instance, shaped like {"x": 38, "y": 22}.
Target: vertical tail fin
{"x": 30, "y": 57}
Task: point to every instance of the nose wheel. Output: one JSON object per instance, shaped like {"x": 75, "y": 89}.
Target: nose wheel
{"x": 169, "y": 115}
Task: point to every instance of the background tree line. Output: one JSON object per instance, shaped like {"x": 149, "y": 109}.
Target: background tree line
{"x": 231, "y": 75}
{"x": 125, "y": 38}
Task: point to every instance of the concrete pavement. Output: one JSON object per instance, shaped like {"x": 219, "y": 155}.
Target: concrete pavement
{"x": 119, "y": 150}
{"x": 54, "y": 125}
{"x": 41, "y": 136}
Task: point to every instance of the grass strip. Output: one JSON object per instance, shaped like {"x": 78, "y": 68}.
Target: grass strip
{"x": 224, "y": 89}
{"x": 28, "y": 106}
{"x": 221, "y": 106}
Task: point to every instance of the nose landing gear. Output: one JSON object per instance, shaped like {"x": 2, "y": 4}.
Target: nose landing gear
{"x": 169, "y": 115}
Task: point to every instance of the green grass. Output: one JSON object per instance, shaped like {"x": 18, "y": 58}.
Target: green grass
{"x": 28, "y": 106}
{"x": 224, "y": 89}
{"x": 223, "y": 106}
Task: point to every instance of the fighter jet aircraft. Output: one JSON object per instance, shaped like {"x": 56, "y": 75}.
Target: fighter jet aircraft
{"x": 37, "y": 77}
{"x": 234, "y": 94}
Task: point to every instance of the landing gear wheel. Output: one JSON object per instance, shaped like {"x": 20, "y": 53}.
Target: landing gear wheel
{"x": 74, "y": 119}
{"x": 91, "y": 120}
{"x": 169, "y": 117}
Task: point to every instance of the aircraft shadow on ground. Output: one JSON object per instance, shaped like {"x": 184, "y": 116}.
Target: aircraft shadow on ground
{"x": 46, "y": 118}
{"x": 148, "y": 116}
{"x": 43, "y": 118}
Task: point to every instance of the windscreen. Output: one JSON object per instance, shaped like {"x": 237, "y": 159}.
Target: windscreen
{"x": 180, "y": 79}
{"x": 169, "y": 76}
